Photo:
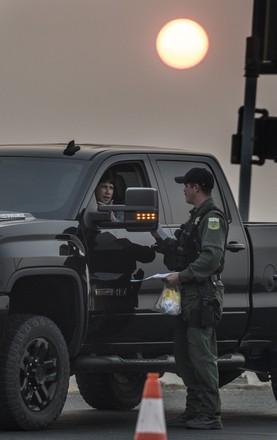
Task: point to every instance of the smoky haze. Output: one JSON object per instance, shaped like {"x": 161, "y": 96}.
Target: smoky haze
{"x": 88, "y": 70}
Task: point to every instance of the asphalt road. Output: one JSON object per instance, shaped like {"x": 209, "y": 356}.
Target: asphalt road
{"x": 248, "y": 413}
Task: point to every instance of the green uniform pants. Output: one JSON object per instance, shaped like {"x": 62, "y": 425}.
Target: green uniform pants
{"x": 195, "y": 352}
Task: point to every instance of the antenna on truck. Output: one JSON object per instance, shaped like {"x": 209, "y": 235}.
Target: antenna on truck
{"x": 71, "y": 148}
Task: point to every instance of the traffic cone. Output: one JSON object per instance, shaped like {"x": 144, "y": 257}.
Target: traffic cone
{"x": 151, "y": 421}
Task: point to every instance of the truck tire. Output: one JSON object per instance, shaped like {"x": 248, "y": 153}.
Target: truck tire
{"x": 274, "y": 389}
{"x": 226, "y": 377}
{"x": 34, "y": 373}
{"x": 273, "y": 373}
{"x": 111, "y": 391}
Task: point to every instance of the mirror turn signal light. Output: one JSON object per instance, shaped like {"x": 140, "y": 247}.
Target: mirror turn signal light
{"x": 144, "y": 216}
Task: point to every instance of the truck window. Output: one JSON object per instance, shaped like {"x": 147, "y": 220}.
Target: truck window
{"x": 175, "y": 192}
{"x": 126, "y": 175}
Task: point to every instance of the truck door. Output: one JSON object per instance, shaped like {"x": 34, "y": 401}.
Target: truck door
{"x": 117, "y": 256}
{"x": 262, "y": 237}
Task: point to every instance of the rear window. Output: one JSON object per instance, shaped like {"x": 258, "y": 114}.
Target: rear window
{"x": 175, "y": 192}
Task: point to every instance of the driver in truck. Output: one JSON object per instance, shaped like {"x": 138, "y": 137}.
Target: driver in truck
{"x": 104, "y": 194}
{"x": 113, "y": 260}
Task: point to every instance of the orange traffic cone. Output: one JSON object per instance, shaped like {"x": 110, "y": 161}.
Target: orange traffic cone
{"x": 151, "y": 420}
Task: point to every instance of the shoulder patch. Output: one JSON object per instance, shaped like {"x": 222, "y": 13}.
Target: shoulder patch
{"x": 213, "y": 223}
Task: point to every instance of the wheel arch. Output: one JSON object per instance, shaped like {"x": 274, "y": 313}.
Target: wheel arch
{"x": 57, "y": 293}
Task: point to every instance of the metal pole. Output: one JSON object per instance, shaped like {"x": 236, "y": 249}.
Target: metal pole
{"x": 248, "y": 124}
{"x": 248, "y": 129}
{"x": 260, "y": 58}
{"x": 252, "y": 66}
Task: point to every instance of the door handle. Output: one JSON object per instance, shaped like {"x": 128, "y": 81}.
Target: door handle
{"x": 233, "y": 246}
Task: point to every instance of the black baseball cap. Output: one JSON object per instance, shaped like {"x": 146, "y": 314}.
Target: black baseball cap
{"x": 201, "y": 176}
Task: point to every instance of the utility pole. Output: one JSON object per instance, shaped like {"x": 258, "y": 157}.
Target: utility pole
{"x": 261, "y": 58}
{"x": 248, "y": 126}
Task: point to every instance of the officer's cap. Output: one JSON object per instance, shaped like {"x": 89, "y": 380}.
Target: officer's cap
{"x": 201, "y": 176}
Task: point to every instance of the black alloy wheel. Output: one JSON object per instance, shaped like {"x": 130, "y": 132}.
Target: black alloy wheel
{"x": 34, "y": 373}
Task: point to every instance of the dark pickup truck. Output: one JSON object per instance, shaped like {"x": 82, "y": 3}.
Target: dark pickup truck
{"x": 67, "y": 305}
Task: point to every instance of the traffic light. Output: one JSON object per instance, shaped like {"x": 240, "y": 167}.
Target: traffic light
{"x": 264, "y": 31}
{"x": 265, "y": 138}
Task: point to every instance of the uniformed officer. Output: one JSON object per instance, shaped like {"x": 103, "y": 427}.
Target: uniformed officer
{"x": 198, "y": 259}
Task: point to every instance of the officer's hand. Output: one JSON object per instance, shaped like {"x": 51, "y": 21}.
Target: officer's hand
{"x": 172, "y": 280}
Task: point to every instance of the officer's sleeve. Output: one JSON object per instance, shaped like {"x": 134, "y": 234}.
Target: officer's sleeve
{"x": 212, "y": 232}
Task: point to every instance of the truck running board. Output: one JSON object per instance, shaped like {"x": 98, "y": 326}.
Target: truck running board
{"x": 231, "y": 361}
{"x": 115, "y": 364}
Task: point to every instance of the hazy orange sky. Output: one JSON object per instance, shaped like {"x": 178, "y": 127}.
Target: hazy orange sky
{"x": 88, "y": 70}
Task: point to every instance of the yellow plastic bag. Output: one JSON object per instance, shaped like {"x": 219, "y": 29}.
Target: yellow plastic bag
{"x": 169, "y": 302}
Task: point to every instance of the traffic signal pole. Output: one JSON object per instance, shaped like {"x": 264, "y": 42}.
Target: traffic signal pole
{"x": 261, "y": 58}
{"x": 248, "y": 130}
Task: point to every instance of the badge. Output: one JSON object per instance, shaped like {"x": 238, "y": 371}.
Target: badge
{"x": 213, "y": 223}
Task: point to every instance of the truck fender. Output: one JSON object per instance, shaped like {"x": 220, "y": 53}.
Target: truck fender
{"x": 80, "y": 297}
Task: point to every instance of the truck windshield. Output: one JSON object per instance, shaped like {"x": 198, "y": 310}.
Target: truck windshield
{"x": 42, "y": 187}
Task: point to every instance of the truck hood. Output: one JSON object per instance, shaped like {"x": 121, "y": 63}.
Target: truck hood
{"x": 16, "y": 225}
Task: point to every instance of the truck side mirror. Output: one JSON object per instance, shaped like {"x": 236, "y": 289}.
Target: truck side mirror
{"x": 141, "y": 209}
{"x": 140, "y": 212}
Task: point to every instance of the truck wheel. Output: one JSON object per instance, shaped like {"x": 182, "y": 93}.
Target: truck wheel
{"x": 34, "y": 373}
{"x": 111, "y": 391}
{"x": 273, "y": 373}
{"x": 274, "y": 389}
{"x": 228, "y": 376}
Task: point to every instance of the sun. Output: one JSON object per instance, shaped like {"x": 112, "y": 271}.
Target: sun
{"x": 182, "y": 43}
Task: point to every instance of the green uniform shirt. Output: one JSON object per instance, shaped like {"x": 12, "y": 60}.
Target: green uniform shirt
{"x": 212, "y": 233}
